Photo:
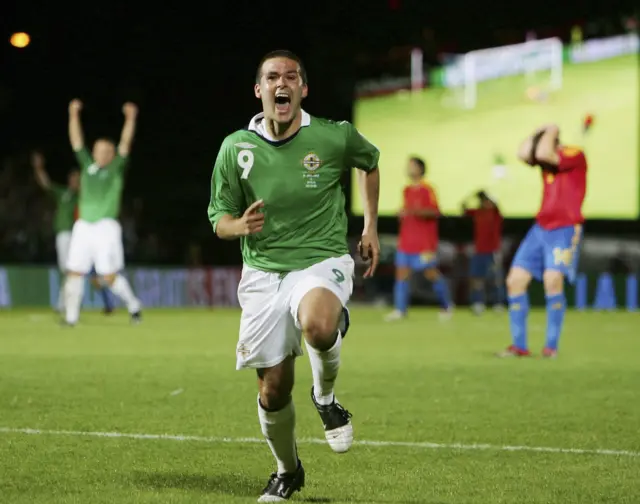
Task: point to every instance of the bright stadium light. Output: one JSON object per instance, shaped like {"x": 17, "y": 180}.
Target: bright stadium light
{"x": 20, "y": 40}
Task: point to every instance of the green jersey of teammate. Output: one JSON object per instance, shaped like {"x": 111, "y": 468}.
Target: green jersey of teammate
{"x": 299, "y": 180}
{"x": 66, "y": 201}
{"x": 100, "y": 188}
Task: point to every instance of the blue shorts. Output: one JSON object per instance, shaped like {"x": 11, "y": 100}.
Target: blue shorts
{"x": 482, "y": 264}
{"x": 416, "y": 262}
{"x": 550, "y": 249}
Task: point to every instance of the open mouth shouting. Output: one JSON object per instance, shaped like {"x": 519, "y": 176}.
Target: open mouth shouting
{"x": 283, "y": 102}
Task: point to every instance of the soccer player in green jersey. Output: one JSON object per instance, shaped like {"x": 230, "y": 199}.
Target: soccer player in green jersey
{"x": 66, "y": 204}
{"x": 276, "y": 187}
{"x": 96, "y": 238}
{"x": 66, "y": 200}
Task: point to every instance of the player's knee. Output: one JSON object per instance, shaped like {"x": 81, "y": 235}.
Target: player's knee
{"x": 517, "y": 281}
{"x": 402, "y": 274}
{"x": 432, "y": 274}
{"x": 553, "y": 282}
{"x": 73, "y": 274}
{"x": 320, "y": 330}
{"x": 319, "y": 314}
{"x": 275, "y": 386}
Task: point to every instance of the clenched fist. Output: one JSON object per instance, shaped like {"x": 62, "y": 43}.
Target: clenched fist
{"x": 130, "y": 110}
{"x": 75, "y": 106}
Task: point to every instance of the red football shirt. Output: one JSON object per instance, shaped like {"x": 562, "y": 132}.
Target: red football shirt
{"x": 419, "y": 234}
{"x": 487, "y": 229}
{"x": 564, "y": 191}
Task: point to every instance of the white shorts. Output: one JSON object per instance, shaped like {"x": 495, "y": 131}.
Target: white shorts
{"x": 63, "y": 240}
{"x": 96, "y": 244}
{"x": 269, "y": 327}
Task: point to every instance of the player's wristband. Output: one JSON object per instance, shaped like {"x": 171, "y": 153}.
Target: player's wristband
{"x": 534, "y": 145}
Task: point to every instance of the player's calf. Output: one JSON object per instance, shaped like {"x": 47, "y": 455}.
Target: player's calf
{"x": 73, "y": 292}
{"x": 556, "y": 307}
{"x": 319, "y": 314}
{"x": 119, "y": 285}
{"x": 277, "y": 422}
{"x": 477, "y": 295}
{"x": 518, "y": 280}
{"x": 401, "y": 294}
{"x": 441, "y": 288}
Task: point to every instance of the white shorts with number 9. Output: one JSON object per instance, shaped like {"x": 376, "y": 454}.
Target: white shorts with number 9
{"x": 269, "y": 327}
{"x": 96, "y": 244}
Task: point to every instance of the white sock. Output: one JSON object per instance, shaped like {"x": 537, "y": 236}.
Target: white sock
{"x": 73, "y": 291}
{"x": 279, "y": 429}
{"x": 122, "y": 289}
{"x": 324, "y": 367}
{"x": 61, "y": 298}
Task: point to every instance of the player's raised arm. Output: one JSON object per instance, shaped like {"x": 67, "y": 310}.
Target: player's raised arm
{"x": 226, "y": 209}
{"x": 42, "y": 177}
{"x": 76, "y": 136}
{"x": 130, "y": 111}
{"x": 547, "y": 149}
{"x": 363, "y": 155}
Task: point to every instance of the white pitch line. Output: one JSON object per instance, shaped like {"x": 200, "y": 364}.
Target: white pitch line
{"x": 251, "y": 440}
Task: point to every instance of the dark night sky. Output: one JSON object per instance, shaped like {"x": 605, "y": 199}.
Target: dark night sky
{"x": 191, "y": 68}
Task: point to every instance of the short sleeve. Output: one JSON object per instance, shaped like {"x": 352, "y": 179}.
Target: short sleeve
{"x": 359, "y": 152}
{"x": 430, "y": 200}
{"x": 83, "y": 156}
{"x": 120, "y": 163}
{"x": 226, "y": 191}
{"x": 570, "y": 158}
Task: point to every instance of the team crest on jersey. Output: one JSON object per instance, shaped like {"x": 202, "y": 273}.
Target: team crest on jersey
{"x": 311, "y": 162}
{"x": 245, "y": 145}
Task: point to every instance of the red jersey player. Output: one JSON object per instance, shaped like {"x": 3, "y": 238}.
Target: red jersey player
{"x": 549, "y": 252}
{"x": 485, "y": 262}
{"x": 418, "y": 241}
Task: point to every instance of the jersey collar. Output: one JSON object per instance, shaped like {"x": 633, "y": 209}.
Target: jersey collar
{"x": 257, "y": 124}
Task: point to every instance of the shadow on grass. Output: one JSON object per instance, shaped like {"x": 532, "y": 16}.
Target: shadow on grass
{"x": 242, "y": 486}
{"x": 229, "y": 484}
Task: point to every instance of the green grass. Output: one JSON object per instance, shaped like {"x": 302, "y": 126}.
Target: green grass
{"x": 416, "y": 381}
{"x": 460, "y": 145}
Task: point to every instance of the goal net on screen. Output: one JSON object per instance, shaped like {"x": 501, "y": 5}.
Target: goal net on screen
{"x": 535, "y": 68}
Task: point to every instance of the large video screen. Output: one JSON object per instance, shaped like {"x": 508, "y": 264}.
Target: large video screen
{"x": 468, "y": 149}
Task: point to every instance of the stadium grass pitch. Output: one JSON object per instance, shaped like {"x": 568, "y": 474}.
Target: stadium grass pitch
{"x": 444, "y": 421}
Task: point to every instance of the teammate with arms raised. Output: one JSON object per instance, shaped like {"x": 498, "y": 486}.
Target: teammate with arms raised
{"x": 418, "y": 242}
{"x": 487, "y": 237}
{"x": 96, "y": 239}
{"x": 66, "y": 201}
{"x": 276, "y": 186}
{"x": 549, "y": 252}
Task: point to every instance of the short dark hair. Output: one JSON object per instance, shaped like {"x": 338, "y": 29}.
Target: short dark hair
{"x": 282, "y": 53}
{"x": 421, "y": 164}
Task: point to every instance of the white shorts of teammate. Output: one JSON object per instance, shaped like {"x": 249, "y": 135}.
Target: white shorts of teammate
{"x": 269, "y": 326}
{"x": 96, "y": 244}
{"x": 63, "y": 240}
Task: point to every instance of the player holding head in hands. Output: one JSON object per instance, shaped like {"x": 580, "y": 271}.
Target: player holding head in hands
{"x": 549, "y": 251}
{"x": 418, "y": 241}
{"x": 97, "y": 235}
{"x": 487, "y": 238}
{"x": 276, "y": 187}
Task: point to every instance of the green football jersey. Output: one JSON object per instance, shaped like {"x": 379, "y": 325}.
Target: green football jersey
{"x": 100, "y": 188}
{"x": 299, "y": 180}
{"x": 66, "y": 202}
